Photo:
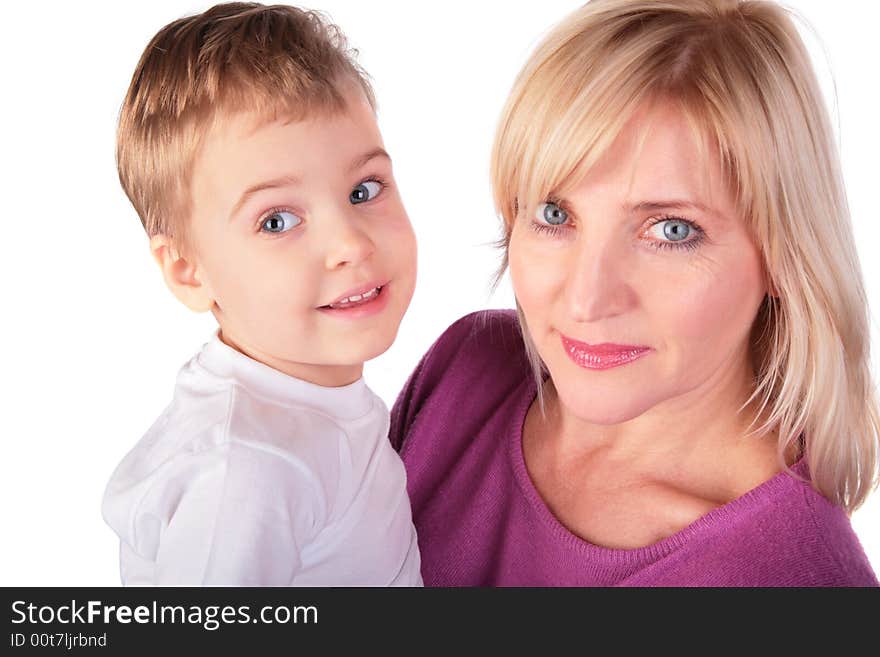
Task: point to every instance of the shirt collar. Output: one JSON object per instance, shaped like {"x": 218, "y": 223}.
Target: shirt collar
{"x": 348, "y": 402}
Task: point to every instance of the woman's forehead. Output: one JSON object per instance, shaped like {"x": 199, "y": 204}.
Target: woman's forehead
{"x": 659, "y": 153}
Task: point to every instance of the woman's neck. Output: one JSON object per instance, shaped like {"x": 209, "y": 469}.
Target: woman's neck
{"x": 699, "y": 434}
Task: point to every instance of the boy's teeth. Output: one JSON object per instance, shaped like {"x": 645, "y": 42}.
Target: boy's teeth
{"x": 355, "y": 298}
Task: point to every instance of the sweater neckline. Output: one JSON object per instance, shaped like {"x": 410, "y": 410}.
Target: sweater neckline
{"x": 777, "y": 484}
{"x": 348, "y": 402}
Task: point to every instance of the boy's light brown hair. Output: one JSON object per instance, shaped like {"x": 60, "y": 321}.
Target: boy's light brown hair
{"x": 277, "y": 61}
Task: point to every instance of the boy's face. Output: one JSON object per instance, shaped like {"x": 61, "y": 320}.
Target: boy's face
{"x": 300, "y": 237}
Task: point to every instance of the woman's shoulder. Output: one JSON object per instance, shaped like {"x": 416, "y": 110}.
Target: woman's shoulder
{"x": 471, "y": 369}
{"x": 485, "y": 334}
{"x": 836, "y": 546}
{"x": 480, "y": 345}
{"x": 786, "y": 533}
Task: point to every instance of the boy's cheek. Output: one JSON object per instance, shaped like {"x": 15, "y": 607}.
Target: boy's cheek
{"x": 396, "y": 242}
{"x": 405, "y": 236}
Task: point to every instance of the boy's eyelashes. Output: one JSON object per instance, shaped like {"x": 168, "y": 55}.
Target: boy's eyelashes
{"x": 281, "y": 219}
{"x": 367, "y": 190}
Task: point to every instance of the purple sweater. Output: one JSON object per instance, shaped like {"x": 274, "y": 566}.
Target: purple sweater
{"x": 480, "y": 521}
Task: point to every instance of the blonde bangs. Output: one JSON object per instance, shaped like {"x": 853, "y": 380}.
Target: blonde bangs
{"x": 561, "y": 117}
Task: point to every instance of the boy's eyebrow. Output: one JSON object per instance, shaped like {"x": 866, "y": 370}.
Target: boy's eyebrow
{"x": 287, "y": 181}
{"x": 366, "y": 157}
{"x": 284, "y": 181}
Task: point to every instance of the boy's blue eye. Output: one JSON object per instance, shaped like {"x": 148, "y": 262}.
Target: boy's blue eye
{"x": 280, "y": 221}
{"x": 366, "y": 191}
{"x": 551, "y": 213}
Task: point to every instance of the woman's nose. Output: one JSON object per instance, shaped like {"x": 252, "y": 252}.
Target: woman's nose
{"x": 348, "y": 245}
{"x": 597, "y": 286}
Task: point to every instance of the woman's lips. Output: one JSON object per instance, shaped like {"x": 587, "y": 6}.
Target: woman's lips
{"x": 601, "y": 356}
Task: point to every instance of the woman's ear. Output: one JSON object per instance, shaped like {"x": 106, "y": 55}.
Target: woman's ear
{"x": 182, "y": 275}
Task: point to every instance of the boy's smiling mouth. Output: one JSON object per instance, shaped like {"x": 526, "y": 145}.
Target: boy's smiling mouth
{"x": 356, "y": 298}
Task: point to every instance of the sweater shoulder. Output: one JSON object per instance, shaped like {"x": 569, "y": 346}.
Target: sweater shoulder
{"x": 471, "y": 371}
{"x": 835, "y": 540}
{"x": 790, "y": 536}
{"x": 486, "y": 339}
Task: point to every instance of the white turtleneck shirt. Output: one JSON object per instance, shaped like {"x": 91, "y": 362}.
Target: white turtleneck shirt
{"x": 252, "y": 477}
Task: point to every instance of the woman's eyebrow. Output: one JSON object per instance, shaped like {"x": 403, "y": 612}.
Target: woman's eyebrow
{"x": 674, "y": 204}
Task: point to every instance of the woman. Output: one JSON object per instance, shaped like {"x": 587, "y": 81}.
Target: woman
{"x": 683, "y": 396}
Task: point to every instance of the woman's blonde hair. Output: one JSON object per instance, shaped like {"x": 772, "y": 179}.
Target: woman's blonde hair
{"x": 740, "y": 74}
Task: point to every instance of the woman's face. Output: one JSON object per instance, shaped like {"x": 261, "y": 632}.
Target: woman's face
{"x": 640, "y": 284}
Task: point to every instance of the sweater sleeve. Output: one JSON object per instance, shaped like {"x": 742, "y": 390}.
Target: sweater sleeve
{"x": 243, "y": 521}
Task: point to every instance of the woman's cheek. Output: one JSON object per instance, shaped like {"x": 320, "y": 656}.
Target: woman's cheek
{"x": 538, "y": 275}
{"x": 523, "y": 276}
{"x": 715, "y": 310}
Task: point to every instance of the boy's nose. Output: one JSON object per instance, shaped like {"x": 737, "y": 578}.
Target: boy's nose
{"x": 349, "y": 245}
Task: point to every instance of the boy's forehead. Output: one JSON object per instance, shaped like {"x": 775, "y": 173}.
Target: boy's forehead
{"x": 246, "y": 148}
{"x": 243, "y": 124}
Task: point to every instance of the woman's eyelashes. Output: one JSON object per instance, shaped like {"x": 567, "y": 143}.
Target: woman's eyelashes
{"x": 672, "y": 232}
{"x": 666, "y": 232}
{"x": 550, "y": 218}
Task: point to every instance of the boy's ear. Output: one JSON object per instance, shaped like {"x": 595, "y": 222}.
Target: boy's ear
{"x": 182, "y": 275}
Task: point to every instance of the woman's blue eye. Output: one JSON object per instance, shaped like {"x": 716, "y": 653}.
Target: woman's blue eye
{"x": 366, "y": 191}
{"x": 280, "y": 221}
{"x": 551, "y": 214}
{"x": 671, "y": 230}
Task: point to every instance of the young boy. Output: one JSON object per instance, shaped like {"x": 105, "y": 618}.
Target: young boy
{"x": 248, "y": 145}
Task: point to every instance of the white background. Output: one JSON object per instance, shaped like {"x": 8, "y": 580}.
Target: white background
{"x": 93, "y": 340}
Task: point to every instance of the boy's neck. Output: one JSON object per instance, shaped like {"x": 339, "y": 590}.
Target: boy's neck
{"x": 330, "y": 376}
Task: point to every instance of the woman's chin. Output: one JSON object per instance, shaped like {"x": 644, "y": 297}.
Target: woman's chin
{"x": 602, "y": 409}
